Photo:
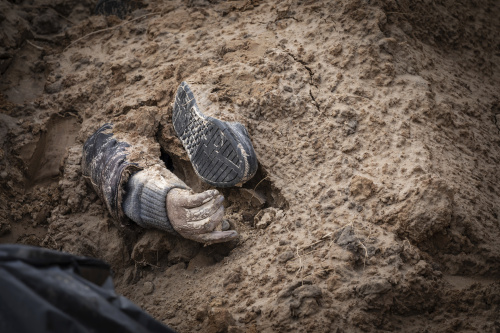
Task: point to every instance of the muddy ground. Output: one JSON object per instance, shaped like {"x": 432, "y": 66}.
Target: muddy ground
{"x": 377, "y": 127}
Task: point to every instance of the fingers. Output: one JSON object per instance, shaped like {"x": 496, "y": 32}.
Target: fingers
{"x": 198, "y": 199}
{"x": 218, "y": 237}
{"x": 206, "y": 210}
{"x": 215, "y": 219}
{"x": 195, "y": 216}
{"x": 208, "y": 224}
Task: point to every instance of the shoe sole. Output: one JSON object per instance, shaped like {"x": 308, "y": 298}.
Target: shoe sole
{"x": 218, "y": 156}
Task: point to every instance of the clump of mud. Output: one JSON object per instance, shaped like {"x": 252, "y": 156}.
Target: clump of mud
{"x": 377, "y": 128}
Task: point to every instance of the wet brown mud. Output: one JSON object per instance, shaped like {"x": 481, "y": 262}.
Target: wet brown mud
{"x": 376, "y": 203}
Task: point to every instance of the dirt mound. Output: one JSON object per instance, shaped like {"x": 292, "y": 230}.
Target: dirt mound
{"x": 376, "y": 124}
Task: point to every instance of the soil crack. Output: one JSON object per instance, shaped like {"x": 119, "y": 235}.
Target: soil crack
{"x": 495, "y": 120}
{"x": 286, "y": 17}
{"x": 311, "y": 81}
{"x": 314, "y": 100}
{"x": 303, "y": 63}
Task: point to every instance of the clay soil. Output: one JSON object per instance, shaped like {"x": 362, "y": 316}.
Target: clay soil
{"x": 376, "y": 206}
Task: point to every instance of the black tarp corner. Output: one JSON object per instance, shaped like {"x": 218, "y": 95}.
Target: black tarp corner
{"x": 44, "y": 290}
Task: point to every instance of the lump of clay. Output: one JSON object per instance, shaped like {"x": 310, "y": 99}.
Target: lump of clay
{"x": 47, "y": 23}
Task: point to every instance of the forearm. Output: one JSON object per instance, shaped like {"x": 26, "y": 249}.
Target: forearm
{"x": 139, "y": 197}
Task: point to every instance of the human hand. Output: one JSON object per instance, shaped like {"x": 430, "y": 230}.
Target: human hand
{"x": 196, "y": 215}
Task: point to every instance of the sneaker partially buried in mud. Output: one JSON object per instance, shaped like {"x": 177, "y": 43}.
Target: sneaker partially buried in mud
{"x": 221, "y": 152}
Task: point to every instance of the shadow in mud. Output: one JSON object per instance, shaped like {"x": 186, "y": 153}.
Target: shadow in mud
{"x": 258, "y": 191}
{"x": 44, "y": 157}
{"x": 242, "y": 204}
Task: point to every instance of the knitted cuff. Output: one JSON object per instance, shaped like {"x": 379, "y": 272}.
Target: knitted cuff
{"x": 145, "y": 198}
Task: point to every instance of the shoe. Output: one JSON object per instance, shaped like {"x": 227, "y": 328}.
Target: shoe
{"x": 221, "y": 152}
{"x": 112, "y": 7}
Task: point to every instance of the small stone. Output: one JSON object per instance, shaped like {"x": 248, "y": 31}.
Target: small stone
{"x": 53, "y": 87}
{"x": 351, "y": 205}
{"x": 225, "y": 225}
{"x": 346, "y": 237}
{"x": 359, "y": 208}
{"x": 353, "y": 124}
{"x": 148, "y": 288}
{"x": 285, "y": 256}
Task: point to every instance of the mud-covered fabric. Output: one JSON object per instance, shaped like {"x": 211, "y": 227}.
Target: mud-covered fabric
{"x": 145, "y": 198}
{"x": 43, "y": 290}
{"x": 105, "y": 165}
{"x": 140, "y": 197}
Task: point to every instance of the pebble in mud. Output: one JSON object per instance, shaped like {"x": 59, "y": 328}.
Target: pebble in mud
{"x": 148, "y": 288}
{"x": 53, "y": 87}
{"x": 285, "y": 256}
{"x": 225, "y": 225}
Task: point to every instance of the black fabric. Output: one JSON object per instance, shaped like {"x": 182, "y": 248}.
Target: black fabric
{"x": 112, "y": 7}
{"x": 48, "y": 291}
{"x": 105, "y": 165}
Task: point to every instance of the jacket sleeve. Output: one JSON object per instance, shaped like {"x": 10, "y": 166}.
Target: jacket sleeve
{"x": 105, "y": 166}
{"x": 128, "y": 191}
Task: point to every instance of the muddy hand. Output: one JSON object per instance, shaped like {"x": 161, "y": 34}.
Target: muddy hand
{"x": 196, "y": 215}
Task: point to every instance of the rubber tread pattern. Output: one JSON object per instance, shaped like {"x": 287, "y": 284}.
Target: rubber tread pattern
{"x": 210, "y": 143}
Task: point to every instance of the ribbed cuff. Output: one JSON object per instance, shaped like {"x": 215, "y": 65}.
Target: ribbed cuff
{"x": 145, "y": 198}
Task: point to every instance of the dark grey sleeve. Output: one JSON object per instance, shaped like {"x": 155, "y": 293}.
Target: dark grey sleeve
{"x": 105, "y": 166}
{"x": 145, "y": 198}
{"x": 128, "y": 191}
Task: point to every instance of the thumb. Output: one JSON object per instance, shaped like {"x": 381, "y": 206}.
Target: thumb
{"x": 218, "y": 237}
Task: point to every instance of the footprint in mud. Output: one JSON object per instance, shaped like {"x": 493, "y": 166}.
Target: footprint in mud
{"x": 48, "y": 152}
